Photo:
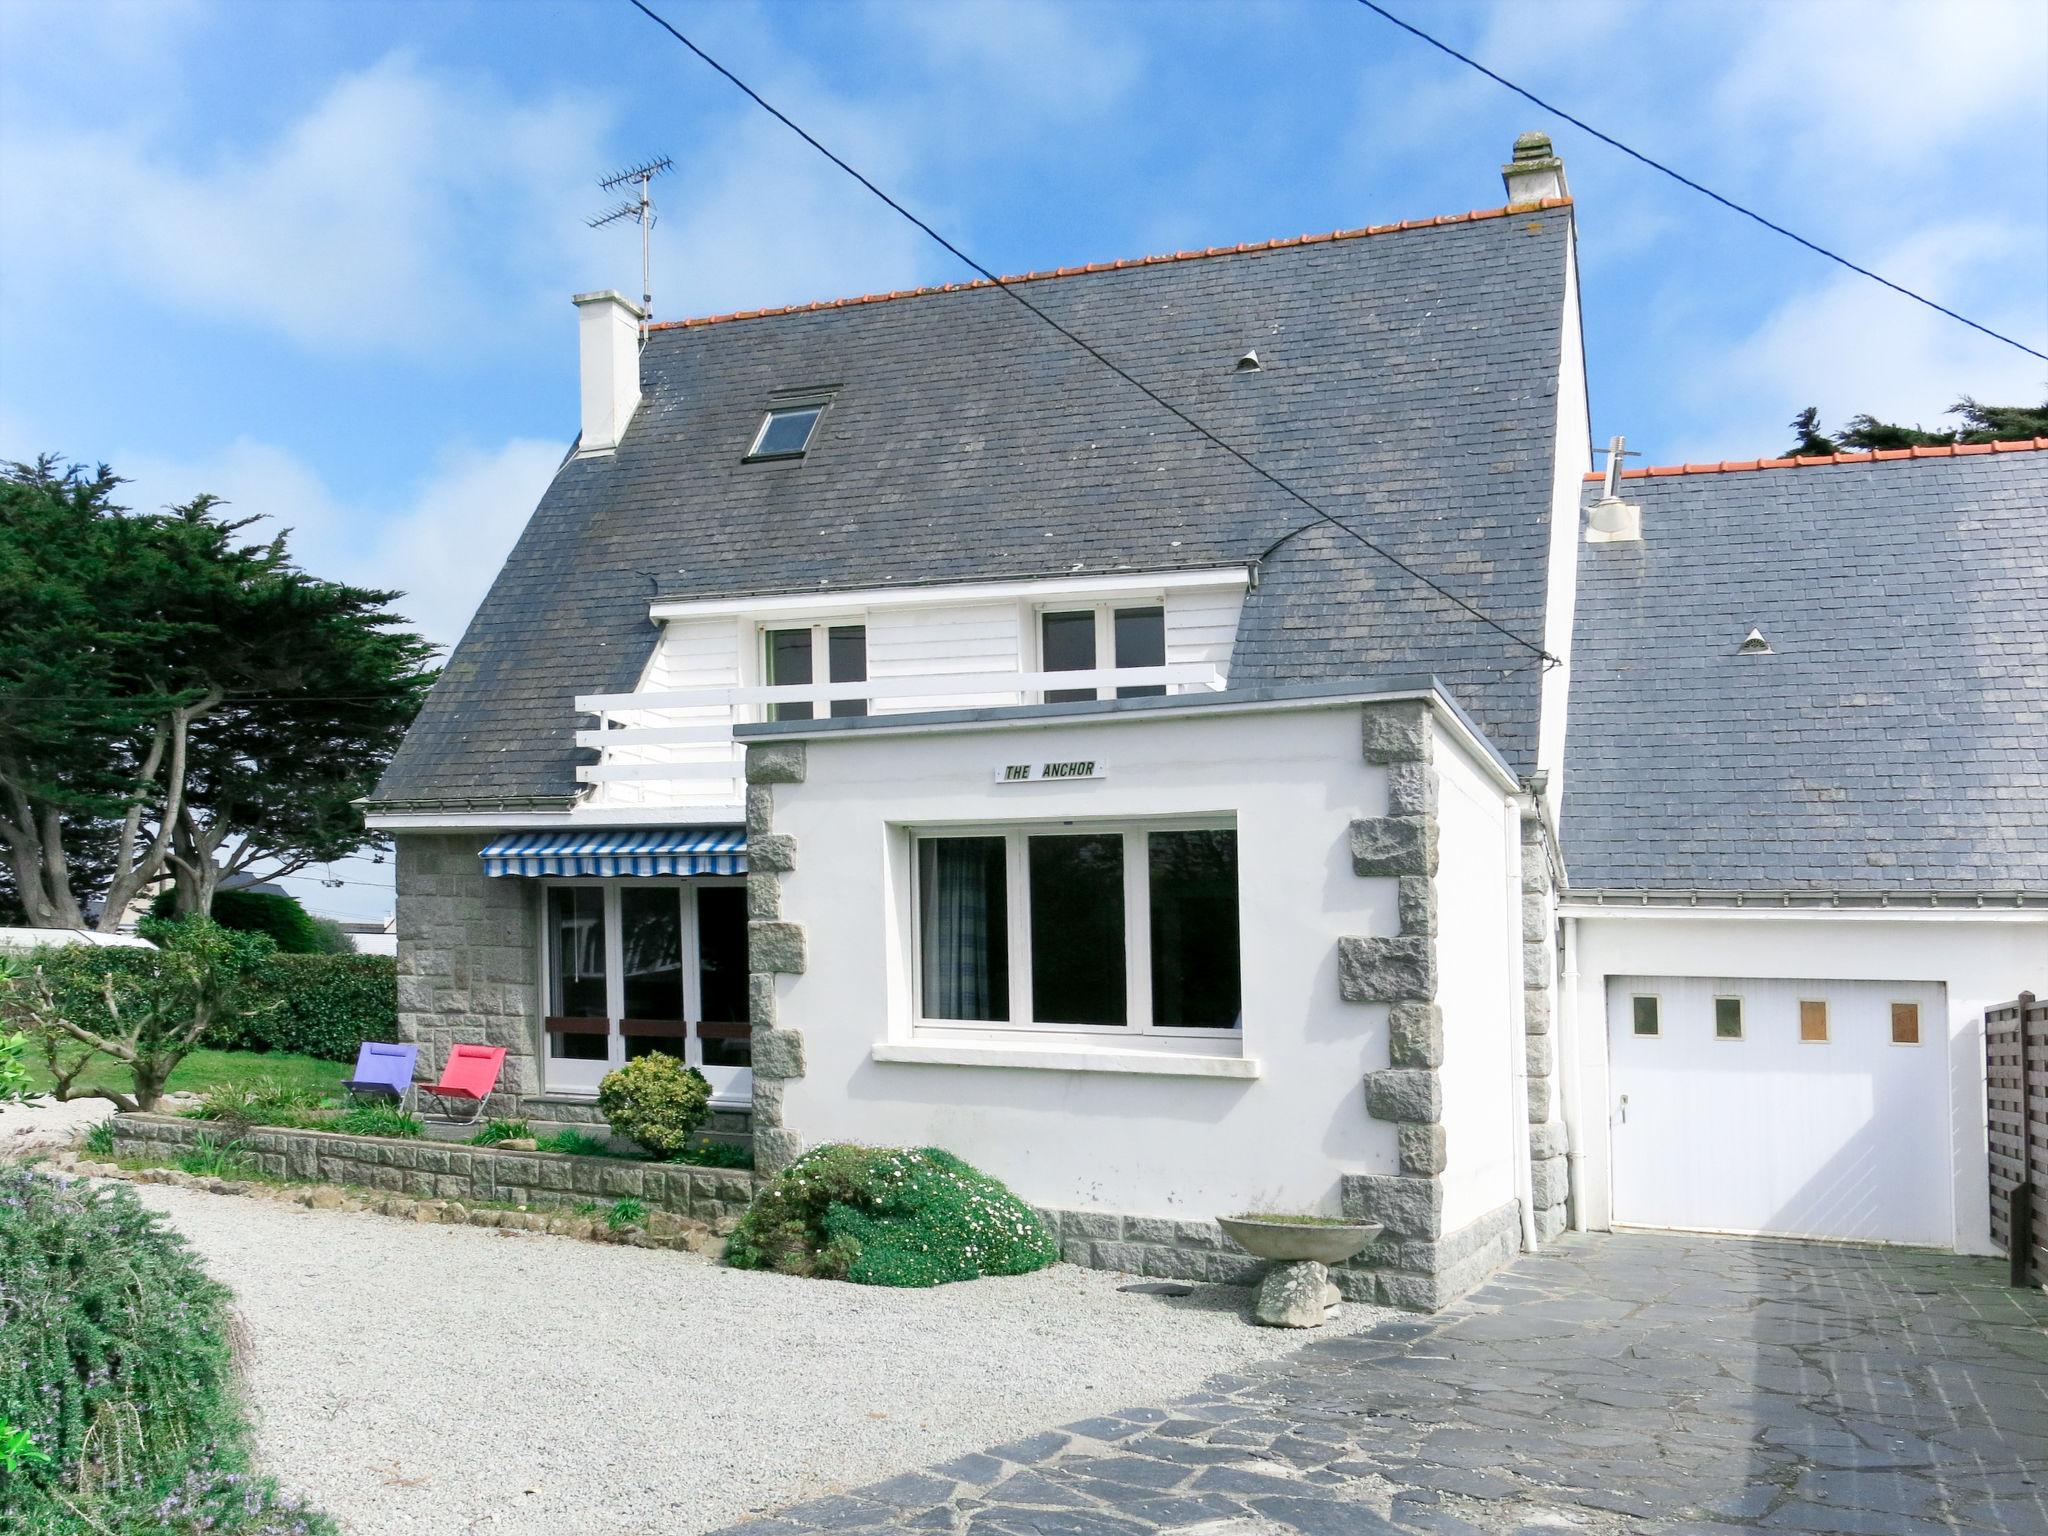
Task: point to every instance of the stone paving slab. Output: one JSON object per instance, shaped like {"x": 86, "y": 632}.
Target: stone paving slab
{"x": 1610, "y": 1384}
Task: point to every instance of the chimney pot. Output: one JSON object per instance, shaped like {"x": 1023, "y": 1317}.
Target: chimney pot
{"x": 608, "y": 345}
{"x": 1535, "y": 172}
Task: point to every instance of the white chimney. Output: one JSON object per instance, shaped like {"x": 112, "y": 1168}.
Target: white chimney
{"x": 608, "y": 340}
{"x": 1535, "y": 173}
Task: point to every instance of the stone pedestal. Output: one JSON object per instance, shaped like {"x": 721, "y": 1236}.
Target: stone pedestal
{"x": 1295, "y": 1296}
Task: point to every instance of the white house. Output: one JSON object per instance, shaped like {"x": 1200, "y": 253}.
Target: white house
{"x": 894, "y": 713}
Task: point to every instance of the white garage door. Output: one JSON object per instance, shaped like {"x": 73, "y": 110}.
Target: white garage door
{"x": 1807, "y": 1108}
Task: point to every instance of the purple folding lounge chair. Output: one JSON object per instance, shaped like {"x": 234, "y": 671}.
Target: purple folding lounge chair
{"x": 383, "y": 1072}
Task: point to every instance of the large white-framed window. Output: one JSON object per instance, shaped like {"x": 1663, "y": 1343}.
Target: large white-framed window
{"x": 632, "y": 966}
{"x": 1083, "y": 637}
{"x": 824, "y": 652}
{"x": 1124, "y": 930}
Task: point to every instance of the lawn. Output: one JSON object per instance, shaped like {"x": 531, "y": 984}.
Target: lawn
{"x": 202, "y": 1070}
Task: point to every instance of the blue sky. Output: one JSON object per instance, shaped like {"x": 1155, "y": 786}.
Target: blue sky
{"x": 316, "y": 257}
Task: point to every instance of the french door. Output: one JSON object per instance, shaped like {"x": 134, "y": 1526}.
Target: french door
{"x": 633, "y": 966}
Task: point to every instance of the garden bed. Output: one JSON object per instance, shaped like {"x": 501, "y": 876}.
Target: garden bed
{"x": 437, "y": 1170}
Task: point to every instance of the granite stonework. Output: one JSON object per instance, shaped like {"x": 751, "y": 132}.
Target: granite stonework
{"x": 1414, "y": 1263}
{"x": 441, "y": 1171}
{"x": 1550, "y": 1179}
{"x": 468, "y": 957}
{"x": 776, "y": 946}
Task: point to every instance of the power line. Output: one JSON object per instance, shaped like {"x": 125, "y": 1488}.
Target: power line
{"x": 1684, "y": 180}
{"x": 1154, "y": 396}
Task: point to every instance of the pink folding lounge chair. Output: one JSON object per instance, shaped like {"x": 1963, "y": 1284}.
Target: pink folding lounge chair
{"x": 467, "y": 1082}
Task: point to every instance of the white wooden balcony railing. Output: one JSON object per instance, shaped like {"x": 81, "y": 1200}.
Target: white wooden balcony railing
{"x": 683, "y": 738}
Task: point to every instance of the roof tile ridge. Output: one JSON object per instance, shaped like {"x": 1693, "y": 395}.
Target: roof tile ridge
{"x": 1808, "y": 461}
{"x": 1122, "y": 263}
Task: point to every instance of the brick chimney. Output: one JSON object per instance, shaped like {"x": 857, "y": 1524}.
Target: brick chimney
{"x": 1535, "y": 173}
{"x": 608, "y": 341}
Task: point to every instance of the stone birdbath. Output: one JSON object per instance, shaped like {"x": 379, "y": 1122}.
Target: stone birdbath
{"x": 1297, "y": 1292}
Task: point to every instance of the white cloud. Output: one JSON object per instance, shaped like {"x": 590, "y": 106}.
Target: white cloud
{"x": 440, "y": 545}
{"x": 1044, "y": 62}
{"x": 404, "y": 210}
{"x": 1852, "y": 347}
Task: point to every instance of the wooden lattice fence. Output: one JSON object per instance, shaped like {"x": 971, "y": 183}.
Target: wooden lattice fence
{"x": 2016, "y": 1078}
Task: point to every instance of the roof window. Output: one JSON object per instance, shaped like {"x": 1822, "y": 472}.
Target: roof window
{"x": 785, "y": 432}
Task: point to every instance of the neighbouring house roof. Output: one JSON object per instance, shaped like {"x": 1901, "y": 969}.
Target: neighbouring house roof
{"x": 1895, "y": 737}
{"x": 1409, "y": 384}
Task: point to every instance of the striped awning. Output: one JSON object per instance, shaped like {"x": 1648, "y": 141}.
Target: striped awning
{"x": 620, "y": 851}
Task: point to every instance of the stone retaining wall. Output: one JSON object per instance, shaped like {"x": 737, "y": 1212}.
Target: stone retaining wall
{"x": 437, "y": 1170}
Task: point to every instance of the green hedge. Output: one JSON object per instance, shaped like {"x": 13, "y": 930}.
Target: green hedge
{"x": 320, "y": 1005}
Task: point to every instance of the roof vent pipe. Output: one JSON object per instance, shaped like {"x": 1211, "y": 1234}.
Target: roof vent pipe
{"x": 1610, "y": 520}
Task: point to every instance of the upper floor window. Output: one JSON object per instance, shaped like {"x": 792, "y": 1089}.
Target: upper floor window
{"x": 790, "y": 656}
{"x": 1073, "y": 640}
{"x": 785, "y": 433}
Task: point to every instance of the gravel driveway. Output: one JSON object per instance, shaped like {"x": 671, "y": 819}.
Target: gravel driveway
{"x": 413, "y": 1378}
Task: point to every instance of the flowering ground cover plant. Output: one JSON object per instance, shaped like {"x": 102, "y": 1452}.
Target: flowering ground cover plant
{"x": 889, "y": 1216}
{"x": 119, "y": 1388}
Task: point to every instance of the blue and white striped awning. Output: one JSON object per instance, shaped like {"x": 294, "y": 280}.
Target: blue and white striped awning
{"x": 620, "y": 851}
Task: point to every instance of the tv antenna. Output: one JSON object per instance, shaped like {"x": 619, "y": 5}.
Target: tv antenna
{"x": 641, "y": 211}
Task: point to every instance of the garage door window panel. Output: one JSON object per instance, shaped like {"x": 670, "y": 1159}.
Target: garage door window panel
{"x": 1813, "y": 1021}
{"x": 1727, "y": 1018}
{"x": 1905, "y": 1023}
{"x": 1643, "y": 1016}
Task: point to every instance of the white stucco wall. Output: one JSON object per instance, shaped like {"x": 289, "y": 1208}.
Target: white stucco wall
{"x": 1479, "y": 984}
{"x": 1571, "y": 458}
{"x": 1980, "y": 958}
{"x": 1180, "y": 1146}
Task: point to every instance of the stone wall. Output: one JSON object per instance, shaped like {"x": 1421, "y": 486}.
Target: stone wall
{"x": 775, "y": 948}
{"x": 437, "y": 1170}
{"x": 1549, "y": 1178}
{"x": 468, "y": 957}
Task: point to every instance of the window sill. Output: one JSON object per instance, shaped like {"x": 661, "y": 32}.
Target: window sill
{"x": 1066, "y": 1058}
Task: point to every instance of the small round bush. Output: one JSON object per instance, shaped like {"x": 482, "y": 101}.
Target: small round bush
{"x": 656, "y": 1101}
{"x": 889, "y": 1216}
{"x": 119, "y": 1372}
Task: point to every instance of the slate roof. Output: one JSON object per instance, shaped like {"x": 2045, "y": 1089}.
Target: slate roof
{"x": 1896, "y": 740}
{"x": 1409, "y": 385}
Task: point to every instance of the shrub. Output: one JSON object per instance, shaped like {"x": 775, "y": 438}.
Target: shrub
{"x": 656, "y": 1101}
{"x": 312, "y": 1005}
{"x": 889, "y": 1216}
{"x": 715, "y": 1154}
{"x": 378, "y": 1120}
{"x": 327, "y": 1005}
{"x": 109, "y": 1324}
{"x": 290, "y": 926}
{"x": 495, "y": 1131}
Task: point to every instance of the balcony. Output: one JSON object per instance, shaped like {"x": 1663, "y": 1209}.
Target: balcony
{"x": 676, "y": 748}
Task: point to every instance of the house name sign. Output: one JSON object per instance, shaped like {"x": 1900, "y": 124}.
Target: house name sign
{"x": 1048, "y": 773}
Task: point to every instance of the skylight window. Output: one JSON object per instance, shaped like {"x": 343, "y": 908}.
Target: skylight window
{"x": 786, "y": 432}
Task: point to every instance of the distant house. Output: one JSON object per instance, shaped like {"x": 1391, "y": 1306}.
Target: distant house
{"x": 895, "y": 714}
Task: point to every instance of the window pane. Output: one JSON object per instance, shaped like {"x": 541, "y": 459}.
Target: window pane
{"x": 1728, "y": 1018}
{"x": 1193, "y": 878}
{"x": 1813, "y": 1020}
{"x": 786, "y": 432}
{"x": 1067, "y": 644}
{"x": 789, "y": 663}
{"x": 963, "y": 941}
{"x": 846, "y": 656}
{"x": 1141, "y": 642}
{"x": 1905, "y": 1023}
{"x": 651, "y": 949}
{"x": 578, "y": 1047}
{"x": 1077, "y": 929}
{"x": 722, "y": 952}
{"x": 1644, "y": 1015}
{"x": 576, "y": 953}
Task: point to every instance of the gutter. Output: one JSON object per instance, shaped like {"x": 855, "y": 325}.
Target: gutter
{"x": 1570, "y": 1076}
